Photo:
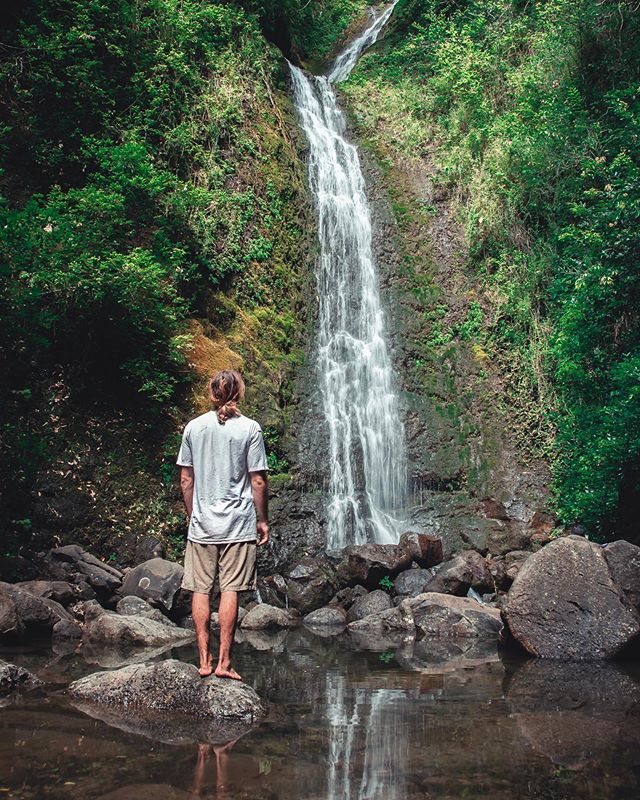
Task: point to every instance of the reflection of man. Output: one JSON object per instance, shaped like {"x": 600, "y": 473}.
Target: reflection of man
{"x": 224, "y": 483}
{"x": 222, "y": 770}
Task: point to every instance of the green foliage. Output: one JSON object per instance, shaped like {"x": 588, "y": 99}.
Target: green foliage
{"x": 386, "y": 583}
{"x": 535, "y": 107}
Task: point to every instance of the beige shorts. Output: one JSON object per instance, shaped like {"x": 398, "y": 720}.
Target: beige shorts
{"x": 233, "y": 562}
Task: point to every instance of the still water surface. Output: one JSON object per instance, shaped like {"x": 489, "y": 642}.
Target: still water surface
{"x": 390, "y": 723}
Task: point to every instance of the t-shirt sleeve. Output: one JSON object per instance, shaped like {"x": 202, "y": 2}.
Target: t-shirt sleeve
{"x": 185, "y": 456}
{"x": 256, "y": 456}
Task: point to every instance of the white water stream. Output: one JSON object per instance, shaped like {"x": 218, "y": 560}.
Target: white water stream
{"x": 358, "y": 388}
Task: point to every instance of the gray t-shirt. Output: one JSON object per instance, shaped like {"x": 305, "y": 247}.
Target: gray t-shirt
{"x": 222, "y": 456}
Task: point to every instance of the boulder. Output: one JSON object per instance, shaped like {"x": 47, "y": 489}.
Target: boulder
{"x": 66, "y": 630}
{"x": 164, "y": 696}
{"x": 346, "y": 597}
{"x": 367, "y": 564}
{"x": 117, "y": 630}
{"x": 14, "y": 678}
{"x": 445, "y": 616}
{"x": 132, "y": 606}
{"x": 74, "y": 564}
{"x": 372, "y": 603}
{"x": 311, "y": 584}
{"x": 264, "y": 617}
{"x": 466, "y": 570}
{"x": 62, "y": 592}
{"x": 412, "y": 582}
{"x": 565, "y": 604}
{"x": 37, "y": 615}
{"x": 158, "y": 581}
{"x": 10, "y": 623}
{"x": 623, "y": 559}
{"x": 273, "y": 590}
{"x": 392, "y": 620}
{"x": 327, "y": 617}
{"x": 513, "y": 563}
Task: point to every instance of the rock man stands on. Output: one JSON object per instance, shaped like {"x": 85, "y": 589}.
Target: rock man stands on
{"x": 224, "y": 483}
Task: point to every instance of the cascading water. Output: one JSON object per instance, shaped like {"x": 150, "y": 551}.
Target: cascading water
{"x": 366, "y": 432}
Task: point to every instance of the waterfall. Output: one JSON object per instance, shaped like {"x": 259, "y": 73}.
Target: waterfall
{"x": 358, "y": 389}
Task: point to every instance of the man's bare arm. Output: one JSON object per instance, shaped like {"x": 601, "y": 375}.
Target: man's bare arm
{"x": 260, "y": 491}
{"x": 186, "y": 484}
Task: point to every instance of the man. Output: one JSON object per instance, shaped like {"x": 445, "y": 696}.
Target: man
{"x": 224, "y": 486}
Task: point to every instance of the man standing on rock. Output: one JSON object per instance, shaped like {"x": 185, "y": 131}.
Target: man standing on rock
{"x": 224, "y": 483}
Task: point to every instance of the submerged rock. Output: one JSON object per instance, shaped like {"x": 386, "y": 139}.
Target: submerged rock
{"x": 565, "y": 604}
{"x": 14, "y": 678}
{"x": 169, "y": 701}
{"x": 157, "y": 581}
{"x": 117, "y": 630}
{"x": 263, "y": 617}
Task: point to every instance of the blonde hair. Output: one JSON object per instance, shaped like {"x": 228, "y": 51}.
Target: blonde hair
{"x": 227, "y": 390}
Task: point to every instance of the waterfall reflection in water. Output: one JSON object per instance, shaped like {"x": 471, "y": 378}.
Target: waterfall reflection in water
{"x": 358, "y": 389}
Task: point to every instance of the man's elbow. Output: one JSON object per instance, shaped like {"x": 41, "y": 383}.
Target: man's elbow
{"x": 258, "y": 480}
{"x": 186, "y": 477}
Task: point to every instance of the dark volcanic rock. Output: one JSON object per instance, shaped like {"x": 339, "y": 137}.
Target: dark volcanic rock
{"x": 443, "y": 615}
{"x": 373, "y": 603}
{"x": 116, "y": 630}
{"x": 263, "y": 617}
{"x": 347, "y": 596}
{"x": 66, "y": 630}
{"x": 168, "y": 687}
{"x": 75, "y": 565}
{"x": 367, "y": 564}
{"x": 397, "y": 620}
{"x": 623, "y": 559}
{"x": 412, "y": 582}
{"x": 468, "y": 569}
{"x": 311, "y": 584}
{"x": 564, "y": 604}
{"x": 62, "y": 592}
{"x": 329, "y": 617}
{"x": 158, "y": 581}
{"x": 10, "y": 623}
{"x": 273, "y": 590}
{"x": 14, "y": 678}
{"x": 37, "y": 615}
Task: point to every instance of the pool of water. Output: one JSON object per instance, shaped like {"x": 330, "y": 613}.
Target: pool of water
{"x": 349, "y": 719}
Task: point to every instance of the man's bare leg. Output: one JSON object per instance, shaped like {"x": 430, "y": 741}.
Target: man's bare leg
{"x": 228, "y": 614}
{"x": 201, "y": 613}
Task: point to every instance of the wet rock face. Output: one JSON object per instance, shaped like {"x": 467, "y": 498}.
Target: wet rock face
{"x": 623, "y": 559}
{"x": 157, "y": 581}
{"x": 121, "y": 631}
{"x": 170, "y": 686}
{"x": 265, "y": 617}
{"x": 565, "y": 604}
{"x": 14, "y": 678}
{"x": 311, "y": 584}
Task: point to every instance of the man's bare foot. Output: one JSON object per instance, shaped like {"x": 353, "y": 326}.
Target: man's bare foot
{"x": 206, "y": 669}
{"x": 227, "y": 672}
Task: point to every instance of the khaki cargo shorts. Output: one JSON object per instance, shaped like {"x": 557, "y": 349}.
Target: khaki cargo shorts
{"x": 233, "y": 562}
